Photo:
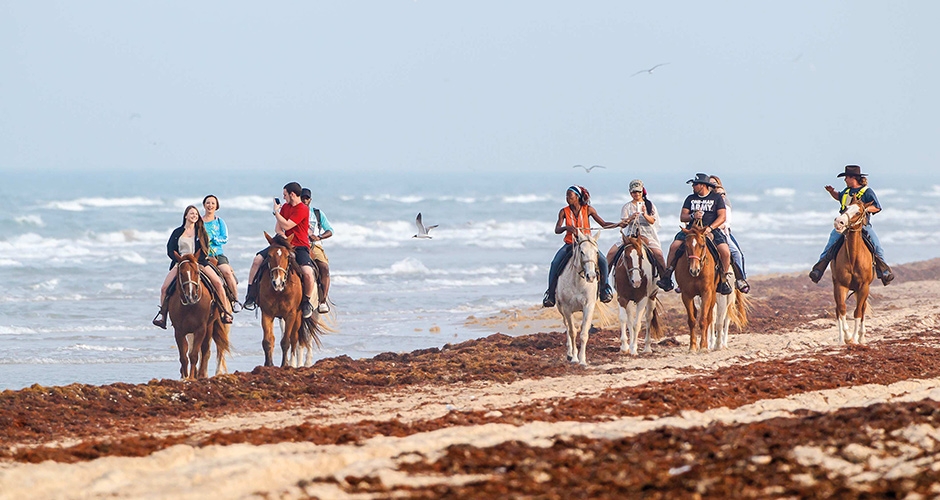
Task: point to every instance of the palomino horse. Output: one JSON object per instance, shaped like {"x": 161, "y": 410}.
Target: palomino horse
{"x": 852, "y": 271}
{"x": 697, "y": 277}
{"x": 577, "y": 291}
{"x": 636, "y": 294}
{"x": 280, "y": 297}
{"x": 729, "y": 309}
{"x": 192, "y": 312}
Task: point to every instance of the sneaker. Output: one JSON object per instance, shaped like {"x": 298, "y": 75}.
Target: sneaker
{"x": 323, "y": 308}
{"x": 724, "y": 288}
{"x": 249, "y": 305}
{"x": 742, "y": 285}
{"x": 160, "y": 320}
{"x": 665, "y": 284}
{"x": 226, "y": 318}
{"x": 815, "y": 275}
{"x": 606, "y": 294}
{"x": 548, "y": 301}
{"x": 306, "y": 308}
{"x": 887, "y": 277}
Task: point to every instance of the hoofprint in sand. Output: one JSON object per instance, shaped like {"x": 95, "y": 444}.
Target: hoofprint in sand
{"x": 488, "y": 438}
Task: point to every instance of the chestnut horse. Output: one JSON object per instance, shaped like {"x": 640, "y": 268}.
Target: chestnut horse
{"x": 192, "y": 312}
{"x": 696, "y": 276}
{"x": 577, "y": 292}
{"x": 852, "y": 271}
{"x": 636, "y": 294}
{"x": 280, "y": 297}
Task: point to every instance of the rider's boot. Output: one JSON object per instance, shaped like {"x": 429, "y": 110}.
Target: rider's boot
{"x": 817, "y": 273}
{"x": 548, "y": 300}
{"x": 884, "y": 271}
{"x": 160, "y": 319}
{"x": 666, "y": 281}
{"x": 306, "y": 307}
{"x": 724, "y": 288}
{"x": 251, "y": 297}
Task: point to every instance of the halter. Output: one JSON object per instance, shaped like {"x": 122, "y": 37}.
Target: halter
{"x": 689, "y": 255}
{"x": 185, "y": 297}
{"x": 274, "y": 271}
{"x": 576, "y": 249}
{"x": 639, "y": 266}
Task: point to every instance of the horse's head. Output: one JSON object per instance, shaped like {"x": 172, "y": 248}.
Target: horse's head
{"x": 280, "y": 253}
{"x": 187, "y": 278}
{"x": 633, "y": 254}
{"x": 696, "y": 248}
{"x": 585, "y": 250}
{"x": 853, "y": 218}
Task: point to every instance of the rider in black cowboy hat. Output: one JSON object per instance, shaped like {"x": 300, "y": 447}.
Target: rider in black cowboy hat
{"x": 706, "y": 205}
{"x": 856, "y": 186}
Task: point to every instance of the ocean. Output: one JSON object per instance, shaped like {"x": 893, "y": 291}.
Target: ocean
{"x": 83, "y": 255}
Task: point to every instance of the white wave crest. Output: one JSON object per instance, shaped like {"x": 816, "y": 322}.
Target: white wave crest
{"x": 97, "y": 348}
{"x": 780, "y": 192}
{"x": 81, "y": 204}
{"x": 30, "y": 220}
{"x": 339, "y": 279}
{"x": 526, "y": 198}
{"x": 400, "y": 199}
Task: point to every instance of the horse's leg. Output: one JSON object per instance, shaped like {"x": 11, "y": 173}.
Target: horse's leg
{"x": 840, "y": 293}
{"x": 706, "y": 321}
{"x": 624, "y": 317}
{"x": 220, "y": 336}
{"x": 650, "y": 309}
{"x": 570, "y": 335}
{"x": 588, "y": 313}
{"x": 641, "y": 316}
{"x": 194, "y": 351}
{"x": 633, "y": 310}
{"x": 689, "y": 303}
{"x": 288, "y": 339}
{"x": 861, "y": 303}
{"x": 183, "y": 347}
{"x": 267, "y": 340}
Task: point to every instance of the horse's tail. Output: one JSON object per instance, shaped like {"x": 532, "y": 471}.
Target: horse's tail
{"x": 738, "y": 312}
{"x": 657, "y": 330}
{"x": 310, "y": 333}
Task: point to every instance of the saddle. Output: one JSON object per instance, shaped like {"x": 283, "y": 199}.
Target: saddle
{"x": 294, "y": 268}
{"x": 204, "y": 280}
{"x": 713, "y": 250}
{"x": 841, "y": 240}
{"x": 647, "y": 251}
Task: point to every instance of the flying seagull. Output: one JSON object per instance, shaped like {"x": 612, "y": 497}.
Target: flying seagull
{"x": 588, "y": 169}
{"x": 422, "y": 231}
{"x": 650, "y": 71}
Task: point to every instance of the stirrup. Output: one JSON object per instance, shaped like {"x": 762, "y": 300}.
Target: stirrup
{"x": 742, "y": 285}
{"x": 160, "y": 320}
{"x": 237, "y": 304}
{"x": 226, "y": 318}
{"x": 323, "y": 308}
{"x": 548, "y": 301}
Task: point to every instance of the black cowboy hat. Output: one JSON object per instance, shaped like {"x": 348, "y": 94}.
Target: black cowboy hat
{"x": 701, "y": 178}
{"x": 852, "y": 170}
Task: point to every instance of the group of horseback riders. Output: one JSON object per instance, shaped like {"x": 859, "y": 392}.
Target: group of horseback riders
{"x": 708, "y": 205}
{"x": 204, "y": 236}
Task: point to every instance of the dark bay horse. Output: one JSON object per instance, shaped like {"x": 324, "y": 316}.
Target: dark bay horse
{"x": 636, "y": 294}
{"x": 852, "y": 271}
{"x": 192, "y": 312}
{"x": 697, "y": 276}
{"x": 279, "y": 296}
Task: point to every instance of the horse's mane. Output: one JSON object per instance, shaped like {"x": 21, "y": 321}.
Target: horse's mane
{"x": 280, "y": 240}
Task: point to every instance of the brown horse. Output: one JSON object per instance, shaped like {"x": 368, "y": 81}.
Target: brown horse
{"x": 280, "y": 297}
{"x": 697, "y": 277}
{"x": 192, "y": 312}
{"x": 636, "y": 294}
{"x": 852, "y": 271}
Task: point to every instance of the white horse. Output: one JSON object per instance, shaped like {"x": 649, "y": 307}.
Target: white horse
{"x": 577, "y": 292}
{"x": 729, "y": 309}
{"x": 637, "y": 295}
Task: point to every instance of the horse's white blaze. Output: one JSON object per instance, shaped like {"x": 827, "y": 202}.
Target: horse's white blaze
{"x": 577, "y": 292}
{"x": 634, "y": 274}
{"x": 841, "y": 223}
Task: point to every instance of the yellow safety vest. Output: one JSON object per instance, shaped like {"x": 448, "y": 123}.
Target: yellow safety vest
{"x": 846, "y": 195}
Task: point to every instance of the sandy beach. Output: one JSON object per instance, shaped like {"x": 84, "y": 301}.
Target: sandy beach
{"x": 783, "y": 411}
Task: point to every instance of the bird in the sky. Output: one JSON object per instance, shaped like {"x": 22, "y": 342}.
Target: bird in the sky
{"x": 422, "y": 231}
{"x": 650, "y": 71}
{"x": 588, "y": 169}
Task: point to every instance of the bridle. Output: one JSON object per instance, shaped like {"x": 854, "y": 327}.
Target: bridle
{"x": 190, "y": 288}
{"x": 576, "y": 249}
{"x": 279, "y": 274}
{"x": 628, "y": 247}
{"x": 696, "y": 235}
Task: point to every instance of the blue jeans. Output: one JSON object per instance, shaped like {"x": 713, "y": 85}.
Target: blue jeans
{"x": 834, "y": 237}
{"x": 736, "y": 255}
{"x": 561, "y": 258}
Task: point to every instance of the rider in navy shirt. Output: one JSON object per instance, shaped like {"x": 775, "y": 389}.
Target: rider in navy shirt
{"x": 708, "y": 206}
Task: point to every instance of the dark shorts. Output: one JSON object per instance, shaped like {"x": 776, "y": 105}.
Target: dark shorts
{"x": 221, "y": 258}
{"x": 301, "y": 254}
{"x": 718, "y": 237}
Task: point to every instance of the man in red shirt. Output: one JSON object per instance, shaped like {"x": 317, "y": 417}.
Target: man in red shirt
{"x": 293, "y": 218}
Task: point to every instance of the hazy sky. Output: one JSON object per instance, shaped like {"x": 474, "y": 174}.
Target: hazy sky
{"x": 471, "y": 85}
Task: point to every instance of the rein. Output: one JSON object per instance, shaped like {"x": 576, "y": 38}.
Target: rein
{"x": 184, "y": 297}
{"x": 576, "y": 249}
